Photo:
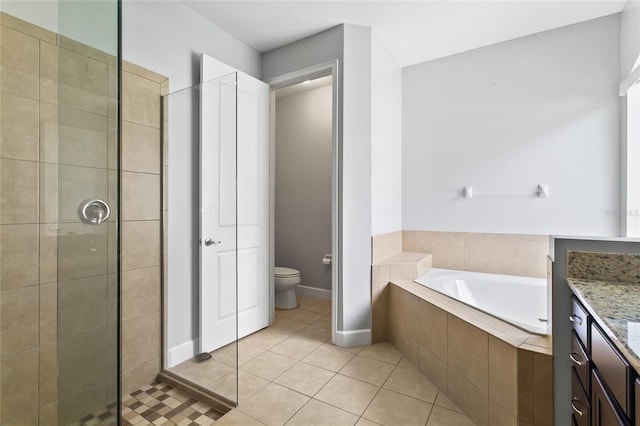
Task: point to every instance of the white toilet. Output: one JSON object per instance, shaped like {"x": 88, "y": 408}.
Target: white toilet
{"x": 286, "y": 281}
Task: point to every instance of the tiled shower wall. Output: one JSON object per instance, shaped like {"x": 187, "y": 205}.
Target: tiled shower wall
{"x": 54, "y": 149}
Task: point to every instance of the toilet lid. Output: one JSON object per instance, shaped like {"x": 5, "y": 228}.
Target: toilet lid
{"x": 279, "y": 271}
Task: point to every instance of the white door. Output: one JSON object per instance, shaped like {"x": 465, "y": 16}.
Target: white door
{"x": 234, "y": 204}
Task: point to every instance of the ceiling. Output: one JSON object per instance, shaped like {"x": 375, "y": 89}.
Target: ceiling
{"x": 414, "y": 31}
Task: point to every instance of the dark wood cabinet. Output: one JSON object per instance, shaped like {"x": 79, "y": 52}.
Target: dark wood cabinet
{"x": 603, "y": 406}
{"x": 604, "y": 388}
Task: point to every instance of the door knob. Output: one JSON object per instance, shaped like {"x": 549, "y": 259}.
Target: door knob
{"x": 209, "y": 242}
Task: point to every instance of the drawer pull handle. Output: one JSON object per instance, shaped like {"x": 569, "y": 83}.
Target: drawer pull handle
{"x": 575, "y": 360}
{"x": 576, "y": 319}
{"x": 574, "y": 408}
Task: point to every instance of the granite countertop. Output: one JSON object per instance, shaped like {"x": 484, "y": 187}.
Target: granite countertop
{"x": 616, "y": 307}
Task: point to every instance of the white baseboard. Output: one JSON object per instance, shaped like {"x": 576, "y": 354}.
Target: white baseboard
{"x": 313, "y": 292}
{"x": 181, "y": 353}
{"x": 353, "y": 337}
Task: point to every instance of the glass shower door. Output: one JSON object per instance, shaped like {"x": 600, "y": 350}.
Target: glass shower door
{"x": 86, "y": 172}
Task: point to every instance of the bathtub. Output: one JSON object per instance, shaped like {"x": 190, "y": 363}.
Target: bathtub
{"x": 519, "y": 301}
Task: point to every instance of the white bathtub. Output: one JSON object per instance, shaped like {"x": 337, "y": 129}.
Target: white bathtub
{"x": 519, "y": 301}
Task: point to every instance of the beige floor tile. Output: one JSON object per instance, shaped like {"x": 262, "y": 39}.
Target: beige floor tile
{"x": 443, "y": 417}
{"x": 241, "y": 386}
{"x": 265, "y": 339}
{"x": 405, "y": 363}
{"x": 274, "y": 404}
{"x": 365, "y": 422}
{"x": 237, "y": 418}
{"x": 305, "y": 378}
{"x": 412, "y": 383}
{"x": 383, "y": 352}
{"x": 368, "y": 370}
{"x": 305, "y": 316}
{"x": 202, "y": 372}
{"x": 320, "y": 308}
{"x": 443, "y": 400}
{"x": 295, "y": 347}
{"x": 307, "y": 302}
{"x": 390, "y": 408}
{"x": 352, "y": 349}
{"x": 287, "y": 326}
{"x": 324, "y": 322}
{"x": 316, "y": 413}
{"x": 348, "y": 394}
{"x": 315, "y": 333}
{"x": 329, "y": 358}
{"x": 268, "y": 365}
{"x": 232, "y": 357}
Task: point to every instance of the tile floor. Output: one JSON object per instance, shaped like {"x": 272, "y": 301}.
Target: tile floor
{"x": 161, "y": 404}
{"x": 290, "y": 373}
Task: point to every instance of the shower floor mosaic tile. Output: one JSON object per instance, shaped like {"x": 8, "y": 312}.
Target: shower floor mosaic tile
{"x": 161, "y": 404}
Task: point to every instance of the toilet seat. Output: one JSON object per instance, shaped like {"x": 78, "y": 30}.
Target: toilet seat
{"x": 281, "y": 272}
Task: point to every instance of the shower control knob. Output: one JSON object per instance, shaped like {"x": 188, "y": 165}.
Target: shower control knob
{"x": 209, "y": 242}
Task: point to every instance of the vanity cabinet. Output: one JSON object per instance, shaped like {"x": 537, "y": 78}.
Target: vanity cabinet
{"x": 604, "y": 387}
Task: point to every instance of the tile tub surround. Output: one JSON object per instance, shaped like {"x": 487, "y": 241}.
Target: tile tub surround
{"x": 509, "y": 254}
{"x": 496, "y": 373}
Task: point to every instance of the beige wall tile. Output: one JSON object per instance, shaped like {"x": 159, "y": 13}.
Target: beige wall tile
{"x": 416, "y": 241}
{"x": 48, "y": 415}
{"x": 19, "y": 127}
{"x": 82, "y": 138}
{"x": 19, "y": 320}
{"x": 483, "y": 255}
{"x": 29, "y": 419}
{"x": 82, "y": 363}
{"x": 499, "y": 417}
{"x": 27, "y": 28}
{"x": 468, "y": 352}
{"x": 140, "y": 196}
{"x": 140, "y": 340}
{"x": 112, "y": 144}
{"x": 18, "y": 256}
{"x": 48, "y": 193}
{"x": 165, "y": 188}
{"x": 18, "y": 192}
{"x": 503, "y": 375}
{"x": 48, "y": 72}
{"x": 525, "y": 258}
{"x": 380, "y": 320}
{"x": 76, "y": 184}
{"x": 19, "y": 385}
{"x": 434, "y": 368}
{"x": 447, "y": 252}
{"x": 48, "y": 254}
{"x": 469, "y": 398}
{"x": 86, "y": 50}
{"x": 82, "y": 82}
{"x": 48, "y": 377}
{"x": 433, "y": 329}
{"x": 19, "y": 59}
{"x": 139, "y": 376}
{"x": 386, "y": 245}
{"x": 82, "y": 305}
{"x": 48, "y": 133}
{"x": 112, "y": 91}
{"x": 143, "y": 72}
{"x": 140, "y": 148}
{"x": 48, "y": 314}
{"x": 140, "y": 292}
{"x": 543, "y": 388}
{"x": 140, "y": 100}
{"x": 526, "y": 406}
{"x": 82, "y": 250}
{"x": 379, "y": 281}
{"x": 140, "y": 244}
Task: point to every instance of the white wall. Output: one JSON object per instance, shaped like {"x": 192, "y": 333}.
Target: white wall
{"x": 386, "y": 140}
{"x": 541, "y": 109}
{"x": 629, "y": 37}
{"x": 167, "y": 37}
{"x": 351, "y": 46}
{"x": 303, "y": 184}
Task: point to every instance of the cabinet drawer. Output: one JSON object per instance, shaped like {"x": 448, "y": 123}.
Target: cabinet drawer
{"x": 580, "y": 361}
{"x": 603, "y": 408}
{"x": 580, "y": 405}
{"x": 613, "y": 368}
{"x": 579, "y": 319}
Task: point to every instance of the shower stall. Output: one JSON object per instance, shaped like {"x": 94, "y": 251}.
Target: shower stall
{"x": 59, "y": 212}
